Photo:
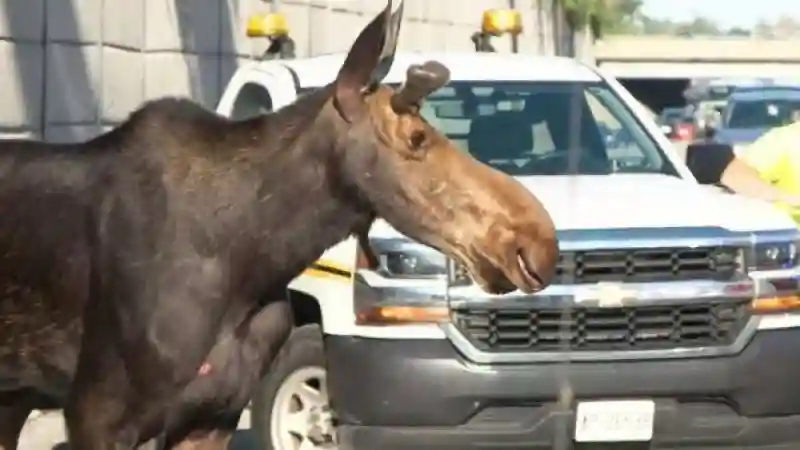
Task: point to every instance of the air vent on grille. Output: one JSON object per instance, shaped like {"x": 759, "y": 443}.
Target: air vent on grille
{"x": 603, "y": 329}
{"x": 647, "y": 265}
{"x": 639, "y": 265}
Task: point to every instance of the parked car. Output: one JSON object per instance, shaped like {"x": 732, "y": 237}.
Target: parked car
{"x": 683, "y": 130}
{"x": 669, "y": 117}
{"x": 752, "y": 112}
{"x": 673, "y": 319}
{"x": 677, "y": 124}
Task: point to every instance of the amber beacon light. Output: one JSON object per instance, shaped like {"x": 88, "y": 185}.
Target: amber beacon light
{"x": 269, "y": 25}
{"x": 274, "y": 27}
{"x": 497, "y": 22}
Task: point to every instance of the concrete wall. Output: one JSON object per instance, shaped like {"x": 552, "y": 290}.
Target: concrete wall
{"x": 72, "y": 68}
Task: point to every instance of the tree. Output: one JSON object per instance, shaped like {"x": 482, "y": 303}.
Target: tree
{"x": 700, "y": 26}
{"x": 785, "y": 27}
{"x": 739, "y": 32}
{"x": 605, "y": 16}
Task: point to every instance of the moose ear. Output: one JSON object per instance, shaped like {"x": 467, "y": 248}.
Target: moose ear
{"x": 368, "y": 62}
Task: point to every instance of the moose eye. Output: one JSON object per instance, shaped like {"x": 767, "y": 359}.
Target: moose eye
{"x": 417, "y": 139}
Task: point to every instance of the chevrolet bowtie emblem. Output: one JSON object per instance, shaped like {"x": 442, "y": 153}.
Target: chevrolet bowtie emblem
{"x": 605, "y": 295}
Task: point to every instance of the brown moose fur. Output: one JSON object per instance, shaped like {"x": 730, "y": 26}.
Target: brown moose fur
{"x": 166, "y": 245}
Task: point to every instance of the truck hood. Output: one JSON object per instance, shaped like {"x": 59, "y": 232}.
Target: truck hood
{"x": 643, "y": 201}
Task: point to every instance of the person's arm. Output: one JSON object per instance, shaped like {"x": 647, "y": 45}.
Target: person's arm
{"x": 764, "y": 159}
{"x": 743, "y": 179}
{"x": 713, "y": 164}
{"x": 767, "y": 153}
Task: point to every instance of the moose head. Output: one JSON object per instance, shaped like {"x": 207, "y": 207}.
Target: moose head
{"x": 416, "y": 179}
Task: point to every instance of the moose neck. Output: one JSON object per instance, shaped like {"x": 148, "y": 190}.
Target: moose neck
{"x": 311, "y": 206}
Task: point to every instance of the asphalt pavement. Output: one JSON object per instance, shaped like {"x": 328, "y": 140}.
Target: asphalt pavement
{"x": 45, "y": 431}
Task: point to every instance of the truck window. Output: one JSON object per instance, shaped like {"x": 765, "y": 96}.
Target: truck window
{"x": 253, "y": 100}
{"x": 765, "y": 113}
{"x": 528, "y": 128}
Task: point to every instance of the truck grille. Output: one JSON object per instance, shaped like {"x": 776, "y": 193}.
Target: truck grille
{"x": 648, "y": 265}
{"x": 604, "y": 329}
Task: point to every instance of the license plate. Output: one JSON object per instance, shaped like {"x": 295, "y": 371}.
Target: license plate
{"x": 615, "y": 421}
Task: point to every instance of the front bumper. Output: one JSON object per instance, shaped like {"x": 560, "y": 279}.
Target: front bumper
{"x": 422, "y": 394}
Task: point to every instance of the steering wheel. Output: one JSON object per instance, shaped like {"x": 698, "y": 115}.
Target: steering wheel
{"x": 557, "y": 163}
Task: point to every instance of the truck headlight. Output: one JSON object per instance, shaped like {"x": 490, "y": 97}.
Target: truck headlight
{"x": 401, "y": 258}
{"x": 777, "y": 289}
{"x": 407, "y": 287}
{"x": 774, "y": 255}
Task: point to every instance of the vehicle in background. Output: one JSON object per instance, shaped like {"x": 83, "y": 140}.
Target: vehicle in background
{"x": 707, "y": 99}
{"x": 669, "y": 116}
{"x": 669, "y": 319}
{"x": 677, "y": 125}
{"x": 752, "y": 112}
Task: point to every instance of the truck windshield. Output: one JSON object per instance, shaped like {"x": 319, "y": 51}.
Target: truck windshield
{"x": 527, "y": 128}
{"x": 764, "y": 113}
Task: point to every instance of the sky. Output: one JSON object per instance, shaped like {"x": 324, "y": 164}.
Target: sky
{"x": 743, "y": 14}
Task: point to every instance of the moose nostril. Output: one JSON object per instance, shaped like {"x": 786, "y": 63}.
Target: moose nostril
{"x": 527, "y": 266}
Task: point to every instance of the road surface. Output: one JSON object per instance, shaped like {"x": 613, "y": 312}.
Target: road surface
{"x": 45, "y": 431}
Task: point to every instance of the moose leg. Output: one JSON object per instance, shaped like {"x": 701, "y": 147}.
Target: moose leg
{"x": 15, "y": 407}
{"x": 215, "y": 439}
{"x": 12, "y": 419}
{"x": 211, "y": 406}
{"x": 117, "y": 403}
{"x": 97, "y": 422}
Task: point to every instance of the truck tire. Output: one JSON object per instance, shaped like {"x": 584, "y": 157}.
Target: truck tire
{"x": 291, "y": 403}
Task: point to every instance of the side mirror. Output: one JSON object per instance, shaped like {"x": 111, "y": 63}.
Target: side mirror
{"x": 704, "y": 160}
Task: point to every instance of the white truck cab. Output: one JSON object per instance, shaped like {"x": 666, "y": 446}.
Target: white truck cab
{"x": 674, "y": 288}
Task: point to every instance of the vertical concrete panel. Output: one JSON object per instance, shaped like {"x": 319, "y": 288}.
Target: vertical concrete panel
{"x": 71, "y": 84}
{"x": 20, "y": 85}
{"x": 72, "y": 133}
{"x": 467, "y": 13}
{"x": 123, "y": 23}
{"x": 179, "y": 74}
{"x": 320, "y": 29}
{"x": 19, "y": 135}
{"x": 75, "y": 20}
{"x": 22, "y": 20}
{"x": 122, "y": 83}
{"x": 456, "y": 40}
{"x": 439, "y": 11}
{"x": 233, "y": 24}
{"x": 438, "y": 34}
{"x": 414, "y": 10}
{"x": 298, "y": 16}
{"x": 527, "y": 40}
{"x": 228, "y": 64}
{"x": 370, "y": 8}
{"x": 334, "y": 30}
{"x": 182, "y": 25}
{"x": 152, "y": 48}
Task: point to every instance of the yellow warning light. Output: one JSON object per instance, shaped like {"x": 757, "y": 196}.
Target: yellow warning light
{"x": 501, "y": 21}
{"x": 269, "y": 25}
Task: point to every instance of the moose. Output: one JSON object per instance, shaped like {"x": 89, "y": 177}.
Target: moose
{"x": 143, "y": 273}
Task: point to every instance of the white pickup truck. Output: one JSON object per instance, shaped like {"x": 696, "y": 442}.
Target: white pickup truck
{"x": 672, "y": 318}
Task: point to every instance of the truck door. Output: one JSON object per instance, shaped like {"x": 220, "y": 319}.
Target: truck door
{"x": 257, "y": 91}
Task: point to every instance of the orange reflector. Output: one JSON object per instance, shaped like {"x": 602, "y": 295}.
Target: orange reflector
{"x": 402, "y": 315}
{"x": 775, "y": 304}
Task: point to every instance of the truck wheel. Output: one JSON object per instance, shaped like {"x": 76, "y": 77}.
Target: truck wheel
{"x": 290, "y": 408}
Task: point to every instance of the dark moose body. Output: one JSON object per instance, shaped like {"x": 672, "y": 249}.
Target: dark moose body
{"x": 165, "y": 245}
